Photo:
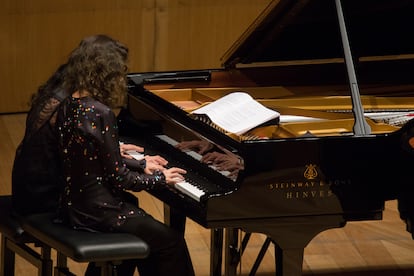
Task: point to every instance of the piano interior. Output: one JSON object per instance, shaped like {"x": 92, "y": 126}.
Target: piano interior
{"x": 308, "y": 116}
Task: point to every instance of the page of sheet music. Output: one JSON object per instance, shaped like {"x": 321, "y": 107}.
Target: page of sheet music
{"x": 237, "y": 112}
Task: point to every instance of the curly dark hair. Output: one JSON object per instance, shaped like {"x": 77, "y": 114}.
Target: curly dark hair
{"x": 99, "y": 66}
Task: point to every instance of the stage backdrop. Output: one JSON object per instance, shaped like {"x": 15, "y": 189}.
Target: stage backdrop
{"x": 36, "y": 36}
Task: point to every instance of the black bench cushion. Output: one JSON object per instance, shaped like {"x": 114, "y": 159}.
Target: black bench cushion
{"x": 83, "y": 246}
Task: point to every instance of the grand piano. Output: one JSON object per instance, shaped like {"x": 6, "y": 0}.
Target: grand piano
{"x": 341, "y": 76}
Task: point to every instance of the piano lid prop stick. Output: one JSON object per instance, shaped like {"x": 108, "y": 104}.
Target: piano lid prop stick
{"x": 361, "y": 127}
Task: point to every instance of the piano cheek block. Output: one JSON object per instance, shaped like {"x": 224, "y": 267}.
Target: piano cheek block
{"x": 411, "y": 142}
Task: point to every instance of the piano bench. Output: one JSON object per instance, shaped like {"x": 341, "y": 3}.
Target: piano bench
{"x": 14, "y": 240}
{"x": 107, "y": 250}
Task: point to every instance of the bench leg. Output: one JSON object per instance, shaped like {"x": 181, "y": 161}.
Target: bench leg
{"x": 109, "y": 268}
{"x": 61, "y": 267}
{"x": 7, "y": 259}
{"x": 46, "y": 266}
{"x": 43, "y": 261}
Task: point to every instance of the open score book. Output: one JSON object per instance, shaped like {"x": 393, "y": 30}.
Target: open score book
{"x": 236, "y": 113}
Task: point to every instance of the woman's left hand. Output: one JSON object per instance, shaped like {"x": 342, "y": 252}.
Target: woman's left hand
{"x": 126, "y": 147}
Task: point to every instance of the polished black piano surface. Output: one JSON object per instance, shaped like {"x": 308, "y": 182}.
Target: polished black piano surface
{"x": 341, "y": 75}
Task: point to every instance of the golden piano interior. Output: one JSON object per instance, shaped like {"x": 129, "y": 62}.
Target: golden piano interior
{"x": 291, "y": 59}
{"x": 313, "y": 115}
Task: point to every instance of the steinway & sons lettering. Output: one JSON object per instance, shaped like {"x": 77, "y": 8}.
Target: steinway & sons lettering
{"x": 306, "y": 189}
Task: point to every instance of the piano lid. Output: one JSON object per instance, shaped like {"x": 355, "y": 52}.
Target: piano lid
{"x": 298, "y": 30}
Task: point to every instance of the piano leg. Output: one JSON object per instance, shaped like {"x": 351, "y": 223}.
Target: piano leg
{"x": 177, "y": 220}
{"x": 260, "y": 256}
{"x": 234, "y": 251}
{"x": 231, "y": 251}
{"x": 216, "y": 251}
{"x": 174, "y": 218}
{"x": 290, "y": 236}
{"x": 288, "y": 261}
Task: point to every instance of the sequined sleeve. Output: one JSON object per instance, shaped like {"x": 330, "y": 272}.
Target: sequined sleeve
{"x": 105, "y": 130}
{"x": 135, "y": 165}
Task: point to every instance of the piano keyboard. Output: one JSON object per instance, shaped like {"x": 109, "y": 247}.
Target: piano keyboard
{"x": 185, "y": 187}
{"x": 189, "y": 190}
{"x": 193, "y": 154}
{"x": 167, "y": 139}
{"x": 173, "y": 143}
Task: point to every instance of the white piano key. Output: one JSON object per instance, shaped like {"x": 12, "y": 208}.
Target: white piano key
{"x": 136, "y": 155}
{"x": 225, "y": 173}
{"x": 190, "y": 190}
{"x": 173, "y": 142}
{"x": 194, "y": 154}
{"x": 167, "y": 139}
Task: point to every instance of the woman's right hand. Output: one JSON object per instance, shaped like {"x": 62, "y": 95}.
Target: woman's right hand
{"x": 174, "y": 175}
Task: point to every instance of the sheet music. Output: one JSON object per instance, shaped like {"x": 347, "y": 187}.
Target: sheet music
{"x": 237, "y": 112}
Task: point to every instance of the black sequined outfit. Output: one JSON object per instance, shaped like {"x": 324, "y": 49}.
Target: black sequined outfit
{"x": 95, "y": 173}
{"x": 96, "y": 180}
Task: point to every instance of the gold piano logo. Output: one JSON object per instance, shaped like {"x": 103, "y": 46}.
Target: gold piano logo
{"x": 310, "y": 186}
{"x": 310, "y": 172}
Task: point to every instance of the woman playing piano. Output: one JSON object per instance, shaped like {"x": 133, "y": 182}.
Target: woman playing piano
{"x": 95, "y": 173}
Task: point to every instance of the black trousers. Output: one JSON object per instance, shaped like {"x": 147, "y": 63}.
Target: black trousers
{"x": 168, "y": 250}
